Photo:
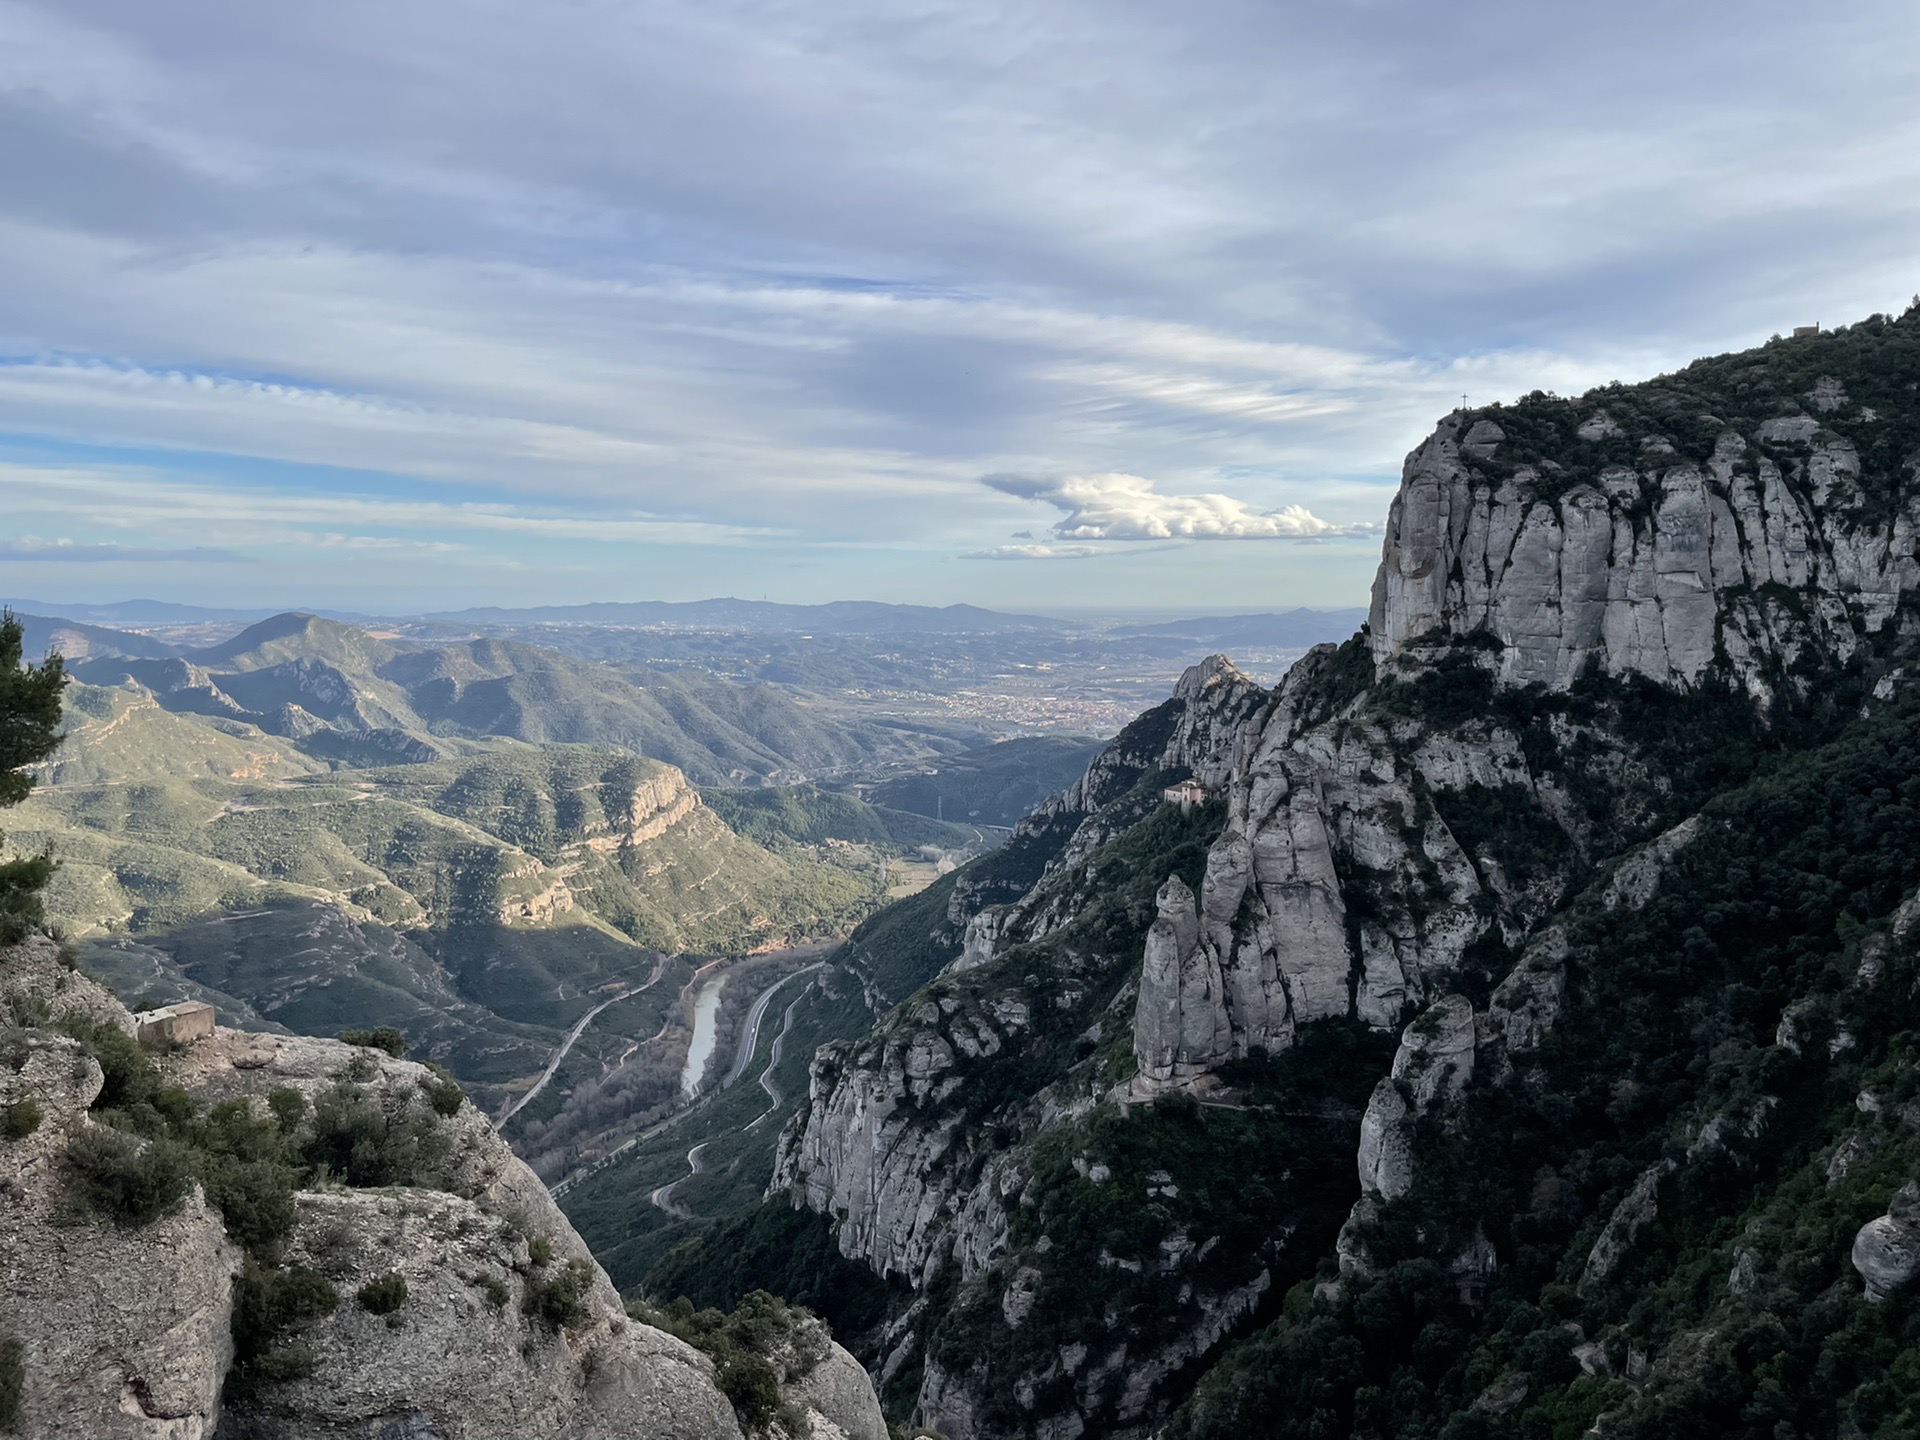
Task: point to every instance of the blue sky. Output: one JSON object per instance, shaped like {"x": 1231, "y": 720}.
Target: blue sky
{"x": 422, "y": 303}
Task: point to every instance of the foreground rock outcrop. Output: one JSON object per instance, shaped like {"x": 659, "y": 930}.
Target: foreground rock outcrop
{"x": 503, "y": 1323}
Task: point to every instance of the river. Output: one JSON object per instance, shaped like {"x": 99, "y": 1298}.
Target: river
{"x": 706, "y": 1015}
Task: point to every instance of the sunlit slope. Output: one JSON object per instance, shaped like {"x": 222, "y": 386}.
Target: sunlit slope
{"x": 123, "y": 733}
{"x": 515, "y": 837}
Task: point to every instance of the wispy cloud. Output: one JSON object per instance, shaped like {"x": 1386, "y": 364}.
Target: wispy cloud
{"x": 31, "y": 549}
{"x": 157, "y": 503}
{"x": 788, "y": 277}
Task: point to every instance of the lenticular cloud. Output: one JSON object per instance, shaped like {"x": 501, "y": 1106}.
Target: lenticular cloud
{"x": 1127, "y": 507}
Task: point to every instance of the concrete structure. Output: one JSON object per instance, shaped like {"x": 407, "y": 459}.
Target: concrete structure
{"x": 179, "y": 1024}
{"x": 1802, "y": 331}
{"x": 1187, "y": 794}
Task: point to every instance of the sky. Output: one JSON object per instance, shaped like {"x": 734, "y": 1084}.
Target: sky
{"x": 419, "y": 304}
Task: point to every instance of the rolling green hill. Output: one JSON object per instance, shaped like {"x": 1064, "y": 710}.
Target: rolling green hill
{"x": 482, "y": 900}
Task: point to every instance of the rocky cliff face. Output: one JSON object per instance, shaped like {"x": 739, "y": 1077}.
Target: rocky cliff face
{"x": 125, "y": 1326}
{"x": 1588, "y": 615}
{"x": 865, "y": 1150}
{"x": 1625, "y": 555}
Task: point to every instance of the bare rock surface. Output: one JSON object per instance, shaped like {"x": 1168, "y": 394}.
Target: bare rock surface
{"x": 1366, "y": 849}
{"x": 1886, "y": 1252}
{"x": 1641, "y": 1205}
{"x": 837, "y": 1397}
{"x": 1651, "y": 571}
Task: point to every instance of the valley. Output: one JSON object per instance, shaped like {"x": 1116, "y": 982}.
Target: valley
{"x": 1046, "y": 722}
{"x": 318, "y": 826}
{"x": 1305, "y": 1058}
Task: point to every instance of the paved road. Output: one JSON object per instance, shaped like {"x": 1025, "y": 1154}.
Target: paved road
{"x": 626, "y": 1147}
{"x": 773, "y": 1060}
{"x": 750, "y": 1031}
{"x": 579, "y": 1029}
{"x": 749, "y": 1042}
{"x": 663, "y": 1197}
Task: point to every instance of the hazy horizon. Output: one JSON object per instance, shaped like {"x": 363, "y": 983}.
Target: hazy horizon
{"x": 1121, "y": 614}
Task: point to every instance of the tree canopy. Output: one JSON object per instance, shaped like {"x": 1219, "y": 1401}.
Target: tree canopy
{"x": 29, "y": 733}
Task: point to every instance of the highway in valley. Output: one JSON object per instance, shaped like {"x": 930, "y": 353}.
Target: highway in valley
{"x": 749, "y": 1042}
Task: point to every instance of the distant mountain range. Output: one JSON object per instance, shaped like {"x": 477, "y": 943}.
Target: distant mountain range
{"x": 138, "y": 612}
{"x": 338, "y": 693}
{"x": 1298, "y": 628}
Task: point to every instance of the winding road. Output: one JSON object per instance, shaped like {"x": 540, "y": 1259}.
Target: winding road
{"x": 773, "y": 1059}
{"x": 750, "y": 1031}
{"x": 749, "y": 1042}
{"x": 579, "y": 1029}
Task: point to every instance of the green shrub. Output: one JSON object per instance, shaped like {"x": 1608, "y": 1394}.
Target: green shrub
{"x": 443, "y": 1092}
{"x": 386, "y": 1038}
{"x": 269, "y": 1307}
{"x": 776, "y": 1248}
{"x": 13, "y": 1380}
{"x": 254, "y": 1198}
{"x": 130, "y": 1077}
{"x": 750, "y": 1348}
{"x": 29, "y": 733}
{"x": 496, "y": 1292}
{"x": 22, "y": 912}
{"x": 752, "y": 1386}
{"x": 289, "y": 1107}
{"x": 130, "y": 1182}
{"x": 540, "y": 1250}
{"x": 559, "y": 1300}
{"x": 384, "y": 1295}
{"x": 355, "y": 1140}
{"x": 19, "y": 1120}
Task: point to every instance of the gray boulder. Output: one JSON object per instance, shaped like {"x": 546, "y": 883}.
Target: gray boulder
{"x": 1886, "y": 1252}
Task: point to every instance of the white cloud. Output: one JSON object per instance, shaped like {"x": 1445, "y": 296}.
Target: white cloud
{"x": 1126, "y": 507}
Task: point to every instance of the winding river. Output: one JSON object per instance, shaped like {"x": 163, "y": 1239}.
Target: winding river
{"x": 706, "y": 1014}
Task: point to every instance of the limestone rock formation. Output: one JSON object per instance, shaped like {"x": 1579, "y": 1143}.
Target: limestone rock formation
{"x": 1385, "y": 1157}
{"x": 1407, "y": 819}
{"x": 125, "y": 1333}
{"x": 1432, "y": 1065}
{"x": 1180, "y": 1026}
{"x": 837, "y": 1398}
{"x": 1641, "y": 1205}
{"x": 1886, "y": 1252}
{"x": 1650, "y": 569}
